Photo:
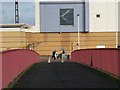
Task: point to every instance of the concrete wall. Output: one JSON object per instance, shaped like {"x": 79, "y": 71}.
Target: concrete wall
{"x": 107, "y": 20}
{"x": 37, "y": 16}
{"x": 119, "y": 23}
{"x": 119, "y": 15}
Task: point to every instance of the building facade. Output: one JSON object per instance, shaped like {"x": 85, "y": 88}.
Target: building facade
{"x": 56, "y": 26}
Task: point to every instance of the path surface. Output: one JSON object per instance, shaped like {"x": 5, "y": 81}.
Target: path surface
{"x": 66, "y": 75}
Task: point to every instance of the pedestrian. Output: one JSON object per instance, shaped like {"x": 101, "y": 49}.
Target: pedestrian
{"x": 56, "y": 54}
{"x": 68, "y": 57}
{"x": 63, "y": 53}
{"x": 53, "y": 54}
{"x": 60, "y": 56}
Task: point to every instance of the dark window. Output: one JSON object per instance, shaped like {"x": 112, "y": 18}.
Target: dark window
{"x": 98, "y": 15}
{"x": 66, "y": 16}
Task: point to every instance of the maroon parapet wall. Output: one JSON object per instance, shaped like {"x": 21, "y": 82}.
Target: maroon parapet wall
{"x": 104, "y": 59}
{"x": 14, "y": 62}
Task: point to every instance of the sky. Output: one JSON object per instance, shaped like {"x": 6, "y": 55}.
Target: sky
{"x": 26, "y": 12}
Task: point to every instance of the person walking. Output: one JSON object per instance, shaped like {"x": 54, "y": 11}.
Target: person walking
{"x": 53, "y": 55}
{"x": 56, "y": 54}
{"x": 63, "y": 53}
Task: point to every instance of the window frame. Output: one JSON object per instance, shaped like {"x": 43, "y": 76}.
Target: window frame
{"x": 71, "y": 24}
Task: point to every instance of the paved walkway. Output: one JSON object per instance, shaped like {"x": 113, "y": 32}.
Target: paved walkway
{"x": 66, "y": 75}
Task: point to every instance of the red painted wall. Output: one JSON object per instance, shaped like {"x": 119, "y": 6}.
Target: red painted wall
{"x": 105, "y": 59}
{"x": 14, "y": 62}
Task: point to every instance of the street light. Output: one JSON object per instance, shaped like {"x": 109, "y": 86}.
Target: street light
{"x": 78, "y": 31}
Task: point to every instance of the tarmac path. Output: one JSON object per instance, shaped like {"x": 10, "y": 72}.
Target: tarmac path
{"x": 64, "y": 75}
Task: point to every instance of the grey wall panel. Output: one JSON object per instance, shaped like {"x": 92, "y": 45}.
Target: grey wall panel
{"x": 61, "y": 1}
{"x": 86, "y": 16}
{"x": 50, "y": 18}
{"x": 42, "y": 20}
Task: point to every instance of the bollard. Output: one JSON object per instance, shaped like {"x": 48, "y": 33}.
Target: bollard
{"x": 49, "y": 60}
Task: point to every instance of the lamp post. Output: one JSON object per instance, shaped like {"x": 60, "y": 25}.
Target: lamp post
{"x": 78, "y": 31}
